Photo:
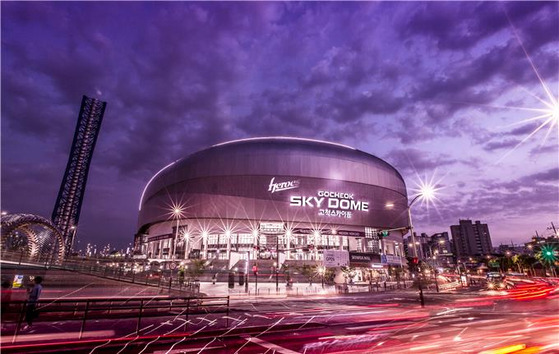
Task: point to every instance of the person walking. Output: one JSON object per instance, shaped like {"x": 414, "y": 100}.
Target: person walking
{"x": 34, "y": 296}
{"x": 6, "y": 300}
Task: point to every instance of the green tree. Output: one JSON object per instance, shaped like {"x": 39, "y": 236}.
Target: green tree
{"x": 308, "y": 271}
{"x": 547, "y": 256}
{"x": 329, "y": 275}
{"x": 195, "y": 268}
{"x": 349, "y": 272}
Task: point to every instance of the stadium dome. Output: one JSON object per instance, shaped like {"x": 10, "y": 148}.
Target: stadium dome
{"x": 241, "y": 194}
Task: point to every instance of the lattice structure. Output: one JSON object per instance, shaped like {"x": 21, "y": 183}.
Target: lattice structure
{"x": 31, "y": 238}
{"x": 67, "y": 209}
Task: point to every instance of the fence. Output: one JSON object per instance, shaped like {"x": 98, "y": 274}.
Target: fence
{"x": 131, "y": 308}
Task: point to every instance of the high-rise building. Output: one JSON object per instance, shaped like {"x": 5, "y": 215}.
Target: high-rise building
{"x": 471, "y": 239}
{"x": 66, "y": 213}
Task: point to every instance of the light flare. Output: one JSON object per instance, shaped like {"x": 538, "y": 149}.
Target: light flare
{"x": 427, "y": 190}
{"x": 549, "y": 114}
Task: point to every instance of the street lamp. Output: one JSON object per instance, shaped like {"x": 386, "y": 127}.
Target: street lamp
{"x": 176, "y": 213}
{"x": 322, "y": 271}
{"x": 186, "y": 237}
{"x": 435, "y": 271}
{"x": 427, "y": 192}
{"x": 278, "y": 262}
{"x": 256, "y": 241}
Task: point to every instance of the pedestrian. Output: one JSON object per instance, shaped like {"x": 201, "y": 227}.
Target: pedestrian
{"x": 34, "y": 295}
{"x": 6, "y": 300}
{"x": 181, "y": 276}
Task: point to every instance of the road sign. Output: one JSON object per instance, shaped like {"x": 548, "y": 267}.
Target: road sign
{"x": 18, "y": 281}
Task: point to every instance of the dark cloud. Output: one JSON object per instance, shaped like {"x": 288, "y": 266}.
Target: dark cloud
{"x": 551, "y": 175}
{"x": 505, "y": 140}
{"x": 503, "y": 144}
{"x": 460, "y": 26}
{"x": 180, "y": 76}
{"x": 532, "y": 194}
{"x": 414, "y": 160}
{"x": 525, "y": 129}
{"x": 543, "y": 150}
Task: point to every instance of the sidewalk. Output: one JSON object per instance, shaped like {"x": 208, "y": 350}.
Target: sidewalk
{"x": 268, "y": 289}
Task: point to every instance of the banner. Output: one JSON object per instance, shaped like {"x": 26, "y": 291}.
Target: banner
{"x": 234, "y": 257}
{"x": 358, "y": 259}
{"x": 391, "y": 259}
{"x": 336, "y": 258}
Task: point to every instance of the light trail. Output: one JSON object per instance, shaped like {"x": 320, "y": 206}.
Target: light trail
{"x": 64, "y": 296}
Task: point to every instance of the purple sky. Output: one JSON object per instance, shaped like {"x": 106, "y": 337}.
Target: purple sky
{"x": 421, "y": 85}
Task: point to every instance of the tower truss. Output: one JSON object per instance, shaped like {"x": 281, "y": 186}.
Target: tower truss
{"x": 66, "y": 213}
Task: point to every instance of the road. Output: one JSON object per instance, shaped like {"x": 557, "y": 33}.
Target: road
{"x": 525, "y": 317}
{"x": 383, "y": 323}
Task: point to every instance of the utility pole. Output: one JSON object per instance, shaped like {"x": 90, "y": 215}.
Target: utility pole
{"x": 277, "y": 263}
{"x": 246, "y": 271}
{"x": 555, "y": 234}
{"x": 421, "y": 299}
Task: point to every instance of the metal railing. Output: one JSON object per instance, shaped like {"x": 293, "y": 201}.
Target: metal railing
{"x": 113, "y": 308}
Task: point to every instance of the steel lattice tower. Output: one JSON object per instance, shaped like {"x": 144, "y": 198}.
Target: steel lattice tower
{"x": 66, "y": 213}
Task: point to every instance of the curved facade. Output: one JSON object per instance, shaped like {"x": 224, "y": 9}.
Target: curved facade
{"x": 33, "y": 236}
{"x": 292, "y": 196}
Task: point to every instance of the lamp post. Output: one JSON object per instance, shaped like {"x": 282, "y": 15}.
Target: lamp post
{"x": 396, "y": 245}
{"x": 411, "y": 225}
{"x": 246, "y": 271}
{"x": 186, "y": 237}
{"x": 176, "y": 213}
{"x": 435, "y": 271}
{"x": 256, "y": 240}
{"x": 322, "y": 270}
{"x": 277, "y": 263}
{"x": 427, "y": 193}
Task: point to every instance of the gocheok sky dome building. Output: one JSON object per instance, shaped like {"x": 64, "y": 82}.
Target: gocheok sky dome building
{"x": 262, "y": 197}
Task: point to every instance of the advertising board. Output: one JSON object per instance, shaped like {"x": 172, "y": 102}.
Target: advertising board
{"x": 360, "y": 259}
{"x": 336, "y": 258}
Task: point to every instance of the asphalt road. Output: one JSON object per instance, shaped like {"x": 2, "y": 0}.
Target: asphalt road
{"x": 391, "y": 322}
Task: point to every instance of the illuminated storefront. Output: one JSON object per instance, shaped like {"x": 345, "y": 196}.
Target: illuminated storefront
{"x": 273, "y": 197}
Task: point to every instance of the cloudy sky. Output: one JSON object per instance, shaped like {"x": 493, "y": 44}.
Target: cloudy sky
{"x": 441, "y": 90}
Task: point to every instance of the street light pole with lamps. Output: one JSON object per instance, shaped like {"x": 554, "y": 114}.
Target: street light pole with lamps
{"x": 426, "y": 193}
{"x": 177, "y": 214}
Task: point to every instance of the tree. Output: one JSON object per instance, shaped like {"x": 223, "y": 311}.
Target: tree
{"x": 349, "y": 272}
{"x": 547, "y": 256}
{"x": 308, "y": 271}
{"x": 196, "y": 268}
{"x": 329, "y": 275}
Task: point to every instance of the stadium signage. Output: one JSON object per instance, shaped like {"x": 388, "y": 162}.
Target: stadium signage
{"x": 331, "y": 203}
{"x": 282, "y": 186}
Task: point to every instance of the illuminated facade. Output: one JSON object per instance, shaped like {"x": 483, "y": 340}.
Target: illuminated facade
{"x": 268, "y": 197}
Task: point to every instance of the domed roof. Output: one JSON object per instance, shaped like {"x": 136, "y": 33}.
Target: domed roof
{"x": 280, "y": 156}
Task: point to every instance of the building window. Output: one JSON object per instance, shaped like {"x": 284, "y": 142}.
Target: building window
{"x": 246, "y": 239}
{"x": 333, "y": 241}
{"x": 212, "y": 240}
